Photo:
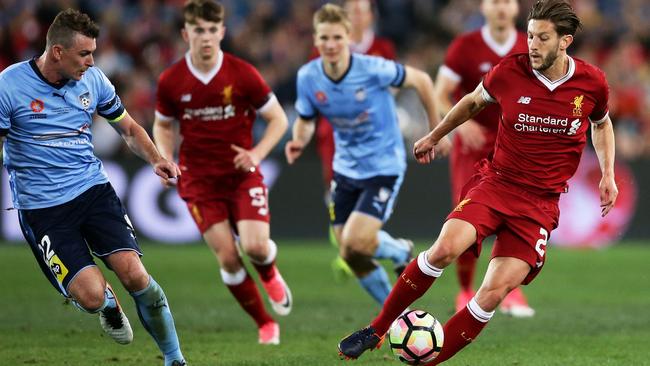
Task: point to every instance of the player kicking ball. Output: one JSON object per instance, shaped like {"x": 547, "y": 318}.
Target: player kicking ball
{"x": 548, "y": 102}
{"x": 67, "y": 208}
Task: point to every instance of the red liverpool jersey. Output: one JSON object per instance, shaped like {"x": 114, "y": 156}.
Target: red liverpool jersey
{"x": 215, "y": 110}
{"x": 543, "y": 125}
{"x": 472, "y": 55}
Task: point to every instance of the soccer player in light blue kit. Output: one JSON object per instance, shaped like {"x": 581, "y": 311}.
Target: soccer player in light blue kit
{"x": 353, "y": 92}
{"x": 67, "y": 208}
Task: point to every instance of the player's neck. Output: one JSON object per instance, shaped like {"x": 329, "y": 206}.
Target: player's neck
{"x": 47, "y": 69}
{"x": 202, "y": 65}
{"x": 559, "y": 68}
{"x": 336, "y": 70}
{"x": 501, "y": 34}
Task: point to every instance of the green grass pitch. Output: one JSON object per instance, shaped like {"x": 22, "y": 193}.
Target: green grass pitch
{"x": 593, "y": 308}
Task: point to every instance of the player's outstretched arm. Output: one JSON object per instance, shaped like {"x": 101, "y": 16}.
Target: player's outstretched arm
{"x": 277, "y": 124}
{"x": 466, "y": 108}
{"x": 602, "y": 135}
{"x": 302, "y": 132}
{"x": 423, "y": 85}
{"x": 139, "y": 142}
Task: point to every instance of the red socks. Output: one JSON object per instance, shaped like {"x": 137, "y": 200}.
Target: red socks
{"x": 249, "y": 298}
{"x": 411, "y": 285}
{"x": 461, "y": 330}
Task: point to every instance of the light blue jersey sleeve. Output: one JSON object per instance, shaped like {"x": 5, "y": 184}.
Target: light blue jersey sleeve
{"x": 303, "y": 105}
{"x": 109, "y": 104}
{"x": 388, "y": 72}
{"x": 5, "y": 108}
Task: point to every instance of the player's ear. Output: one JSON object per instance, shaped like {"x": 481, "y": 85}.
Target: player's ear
{"x": 565, "y": 41}
{"x": 184, "y": 34}
{"x": 57, "y": 51}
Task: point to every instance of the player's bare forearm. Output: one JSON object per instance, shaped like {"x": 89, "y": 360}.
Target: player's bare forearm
{"x": 165, "y": 138}
{"x": 303, "y": 130}
{"x": 602, "y": 136}
{"x": 469, "y": 106}
{"x": 137, "y": 139}
{"x": 277, "y": 126}
{"x": 423, "y": 85}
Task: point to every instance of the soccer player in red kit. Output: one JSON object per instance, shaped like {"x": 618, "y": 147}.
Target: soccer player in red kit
{"x": 548, "y": 101}
{"x": 214, "y": 97}
{"x": 474, "y": 139}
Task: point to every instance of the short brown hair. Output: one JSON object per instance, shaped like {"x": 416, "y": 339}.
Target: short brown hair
{"x": 330, "y": 13}
{"x": 558, "y": 12}
{"x": 205, "y": 9}
{"x": 66, "y": 24}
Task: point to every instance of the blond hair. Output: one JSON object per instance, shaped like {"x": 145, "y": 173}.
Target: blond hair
{"x": 330, "y": 13}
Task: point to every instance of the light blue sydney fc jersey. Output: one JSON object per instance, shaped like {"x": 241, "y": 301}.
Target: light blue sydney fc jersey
{"x": 362, "y": 112}
{"x": 48, "y": 150}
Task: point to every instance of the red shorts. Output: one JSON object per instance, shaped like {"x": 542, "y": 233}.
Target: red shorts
{"x": 235, "y": 198}
{"x": 522, "y": 221}
{"x": 462, "y": 166}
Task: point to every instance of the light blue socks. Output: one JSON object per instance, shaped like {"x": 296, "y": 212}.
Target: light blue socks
{"x": 391, "y": 248}
{"x": 157, "y": 319}
{"x": 376, "y": 284}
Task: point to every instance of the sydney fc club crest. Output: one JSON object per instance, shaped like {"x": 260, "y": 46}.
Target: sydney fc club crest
{"x": 85, "y": 100}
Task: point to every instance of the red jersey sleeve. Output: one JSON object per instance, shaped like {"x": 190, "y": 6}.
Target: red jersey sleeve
{"x": 454, "y": 58}
{"x": 255, "y": 87}
{"x": 602, "y": 98}
{"x": 491, "y": 84}
{"x": 164, "y": 104}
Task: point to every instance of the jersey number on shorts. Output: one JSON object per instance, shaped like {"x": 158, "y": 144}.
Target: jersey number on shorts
{"x": 540, "y": 247}
{"x": 258, "y": 195}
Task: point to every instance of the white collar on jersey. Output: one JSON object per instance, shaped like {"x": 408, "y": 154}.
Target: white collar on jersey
{"x": 499, "y": 49}
{"x": 204, "y": 77}
{"x": 365, "y": 44}
{"x": 551, "y": 85}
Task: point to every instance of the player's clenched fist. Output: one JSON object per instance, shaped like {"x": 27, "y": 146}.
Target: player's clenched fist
{"x": 292, "y": 150}
{"x": 167, "y": 170}
{"x": 423, "y": 150}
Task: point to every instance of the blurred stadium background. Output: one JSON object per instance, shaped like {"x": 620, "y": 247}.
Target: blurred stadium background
{"x": 140, "y": 38}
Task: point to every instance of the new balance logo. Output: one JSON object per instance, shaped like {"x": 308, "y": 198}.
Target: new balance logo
{"x": 524, "y": 100}
{"x": 186, "y": 97}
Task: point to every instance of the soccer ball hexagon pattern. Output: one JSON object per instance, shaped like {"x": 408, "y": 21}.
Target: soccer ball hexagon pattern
{"x": 416, "y": 337}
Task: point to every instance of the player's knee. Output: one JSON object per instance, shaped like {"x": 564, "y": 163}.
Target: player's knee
{"x": 257, "y": 249}
{"x": 490, "y": 296}
{"x": 443, "y": 253}
{"x": 358, "y": 245}
{"x": 90, "y": 298}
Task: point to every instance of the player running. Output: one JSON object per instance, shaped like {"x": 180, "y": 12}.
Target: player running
{"x": 214, "y": 97}
{"x": 67, "y": 208}
{"x": 548, "y": 101}
{"x": 353, "y": 92}
{"x": 362, "y": 40}
{"x": 474, "y": 139}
